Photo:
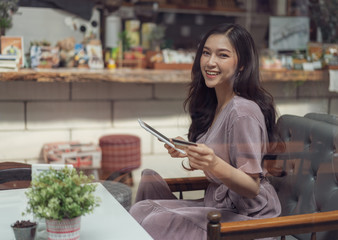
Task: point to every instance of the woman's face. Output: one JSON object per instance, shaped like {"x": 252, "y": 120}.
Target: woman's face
{"x": 218, "y": 62}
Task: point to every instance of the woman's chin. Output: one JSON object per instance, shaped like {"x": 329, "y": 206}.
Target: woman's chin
{"x": 210, "y": 83}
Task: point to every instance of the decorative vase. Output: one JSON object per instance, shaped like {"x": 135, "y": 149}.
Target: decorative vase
{"x": 63, "y": 229}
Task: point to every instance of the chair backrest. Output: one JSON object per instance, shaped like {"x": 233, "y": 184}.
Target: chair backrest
{"x": 310, "y": 164}
{"x": 14, "y": 175}
{"x": 323, "y": 117}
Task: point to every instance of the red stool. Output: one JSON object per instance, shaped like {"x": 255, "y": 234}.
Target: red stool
{"x": 121, "y": 153}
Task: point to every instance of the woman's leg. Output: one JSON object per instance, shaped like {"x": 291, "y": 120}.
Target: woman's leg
{"x": 171, "y": 219}
{"x": 153, "y": 186}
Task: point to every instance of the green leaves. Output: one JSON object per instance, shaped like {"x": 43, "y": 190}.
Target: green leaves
{"x": 7, "y": 8}
{"x": 58, "y": 194}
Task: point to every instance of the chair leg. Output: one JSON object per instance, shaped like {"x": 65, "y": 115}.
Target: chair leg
{"x": 131, "y": 180}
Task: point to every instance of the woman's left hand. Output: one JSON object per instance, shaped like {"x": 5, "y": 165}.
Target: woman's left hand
{"x": 173, "y": 152}
{"x": 201, "y": 157}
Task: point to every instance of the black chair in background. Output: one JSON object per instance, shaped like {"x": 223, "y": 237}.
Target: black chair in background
{"x": 14, "y": 175}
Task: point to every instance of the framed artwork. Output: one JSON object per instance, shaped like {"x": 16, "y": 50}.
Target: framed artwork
{"x": 13, "y": 46}
{"x": 289, "y": 33}
{"x": 95, "y": 56}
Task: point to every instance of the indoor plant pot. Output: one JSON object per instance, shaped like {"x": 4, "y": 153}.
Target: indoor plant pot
{"x": 24, "y": 230}
{"x": 62, "y": 197}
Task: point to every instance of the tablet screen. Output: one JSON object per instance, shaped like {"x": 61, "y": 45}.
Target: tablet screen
{"x": 183, "y": 143}
{"x": 159, "y": 135}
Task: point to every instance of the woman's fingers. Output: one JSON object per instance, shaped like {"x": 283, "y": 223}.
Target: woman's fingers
{"x": 200, "y": 149}
{"x": 200, "y": 157}
{"x": 173, "y": 152}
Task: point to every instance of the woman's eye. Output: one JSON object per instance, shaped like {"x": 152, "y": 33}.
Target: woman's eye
{"x": 205, "y": 53}
{"x": 223, "y": 55}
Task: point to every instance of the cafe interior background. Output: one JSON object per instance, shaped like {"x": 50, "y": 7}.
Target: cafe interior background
{"x": 297, "y": 41}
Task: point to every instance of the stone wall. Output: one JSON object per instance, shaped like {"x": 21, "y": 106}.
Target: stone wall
{"x": 34, "y": 113}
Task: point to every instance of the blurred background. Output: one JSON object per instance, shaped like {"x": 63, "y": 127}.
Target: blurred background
{"x": 84, "y": 69}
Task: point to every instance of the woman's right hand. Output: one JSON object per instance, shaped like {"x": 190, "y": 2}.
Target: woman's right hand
{"x": 173, "y": 152}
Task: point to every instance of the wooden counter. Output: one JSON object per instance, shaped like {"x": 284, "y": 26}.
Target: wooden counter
{"x": 125, "y": 75}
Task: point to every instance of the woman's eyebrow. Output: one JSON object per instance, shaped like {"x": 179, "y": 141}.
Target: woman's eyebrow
{"x": 219, "y": 49}
{"x": 223, "y": 49}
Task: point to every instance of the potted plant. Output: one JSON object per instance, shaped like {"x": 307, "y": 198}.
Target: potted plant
{"x": 24, "y": 230}
{"x": 62, "y": 197}
{"x": 7, "y": 9}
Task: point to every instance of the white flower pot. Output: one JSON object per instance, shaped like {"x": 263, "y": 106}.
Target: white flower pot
{"x": 63, "y": 229}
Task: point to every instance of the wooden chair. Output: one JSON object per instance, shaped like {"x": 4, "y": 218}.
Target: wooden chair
{"x": 14, "y": 175}
{"x": 261, "y": 228}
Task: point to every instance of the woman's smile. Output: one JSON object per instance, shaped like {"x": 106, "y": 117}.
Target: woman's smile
{"x": 211, "y": 74}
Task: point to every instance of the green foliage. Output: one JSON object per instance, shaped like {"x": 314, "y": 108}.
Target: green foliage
{"x": 126, "y": 40}
{"x": 7, "y": 8}
{"x": 59, "y": 194}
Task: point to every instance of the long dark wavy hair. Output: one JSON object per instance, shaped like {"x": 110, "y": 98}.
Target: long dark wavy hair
{"x": 201, "y": 102}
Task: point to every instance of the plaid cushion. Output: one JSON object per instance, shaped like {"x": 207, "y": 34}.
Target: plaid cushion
{"x": 120, "y": 152}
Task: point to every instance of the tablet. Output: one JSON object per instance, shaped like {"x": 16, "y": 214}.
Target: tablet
{"x": 159, "y": 135}
{"x": 183, "y": 143}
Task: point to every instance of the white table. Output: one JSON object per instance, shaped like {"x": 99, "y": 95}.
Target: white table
{"x": 109, "y": 221}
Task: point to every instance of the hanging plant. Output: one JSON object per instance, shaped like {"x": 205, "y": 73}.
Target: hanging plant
{"x": 7, "y": 9}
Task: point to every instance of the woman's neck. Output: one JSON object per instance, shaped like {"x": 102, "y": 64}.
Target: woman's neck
{"x": 223, "y": 98}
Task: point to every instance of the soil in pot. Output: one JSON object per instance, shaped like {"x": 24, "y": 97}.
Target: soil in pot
{"x": 23, "y": 224}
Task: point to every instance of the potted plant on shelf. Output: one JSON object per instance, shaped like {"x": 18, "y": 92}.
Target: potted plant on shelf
{"x": 62, "y": 197}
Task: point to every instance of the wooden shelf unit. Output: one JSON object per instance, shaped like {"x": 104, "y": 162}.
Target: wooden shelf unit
{"x": 126, "y": 75}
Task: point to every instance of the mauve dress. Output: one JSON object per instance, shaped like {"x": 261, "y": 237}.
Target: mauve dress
{"x": 239, "y": 137}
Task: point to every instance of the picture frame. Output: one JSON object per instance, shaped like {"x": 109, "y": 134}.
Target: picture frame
{"x": 289, "y": 33}
{"x": 13, "y": 45}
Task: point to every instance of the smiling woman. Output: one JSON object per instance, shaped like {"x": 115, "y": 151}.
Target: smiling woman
{"x": 232, "y": 122}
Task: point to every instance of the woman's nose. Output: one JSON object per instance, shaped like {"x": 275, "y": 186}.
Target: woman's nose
{"x": 211, "y": 60}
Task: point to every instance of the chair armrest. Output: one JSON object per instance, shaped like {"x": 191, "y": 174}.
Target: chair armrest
{"x": 271, "y": 227}
{"x": 187, "y": 184}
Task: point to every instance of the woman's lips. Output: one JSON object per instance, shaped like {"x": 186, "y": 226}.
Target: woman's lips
{"x": 211, "y": 74}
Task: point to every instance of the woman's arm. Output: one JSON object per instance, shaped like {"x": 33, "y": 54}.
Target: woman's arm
{"x": 202, "y": 157}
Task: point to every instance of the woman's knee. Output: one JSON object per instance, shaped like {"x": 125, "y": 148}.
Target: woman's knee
{"x": 147, "y": 172}
{"x": 141, "y": 209}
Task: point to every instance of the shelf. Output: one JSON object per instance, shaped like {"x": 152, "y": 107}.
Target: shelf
{"x": 294, "y": 75}
{"x": 125, "y": 75}
{"x": 171, "y": 8}
{"x": 209, "y": 11}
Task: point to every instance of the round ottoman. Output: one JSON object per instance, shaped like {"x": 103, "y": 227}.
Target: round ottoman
{"x": 120, "y": 191}
{"x": 120, "y": 153}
